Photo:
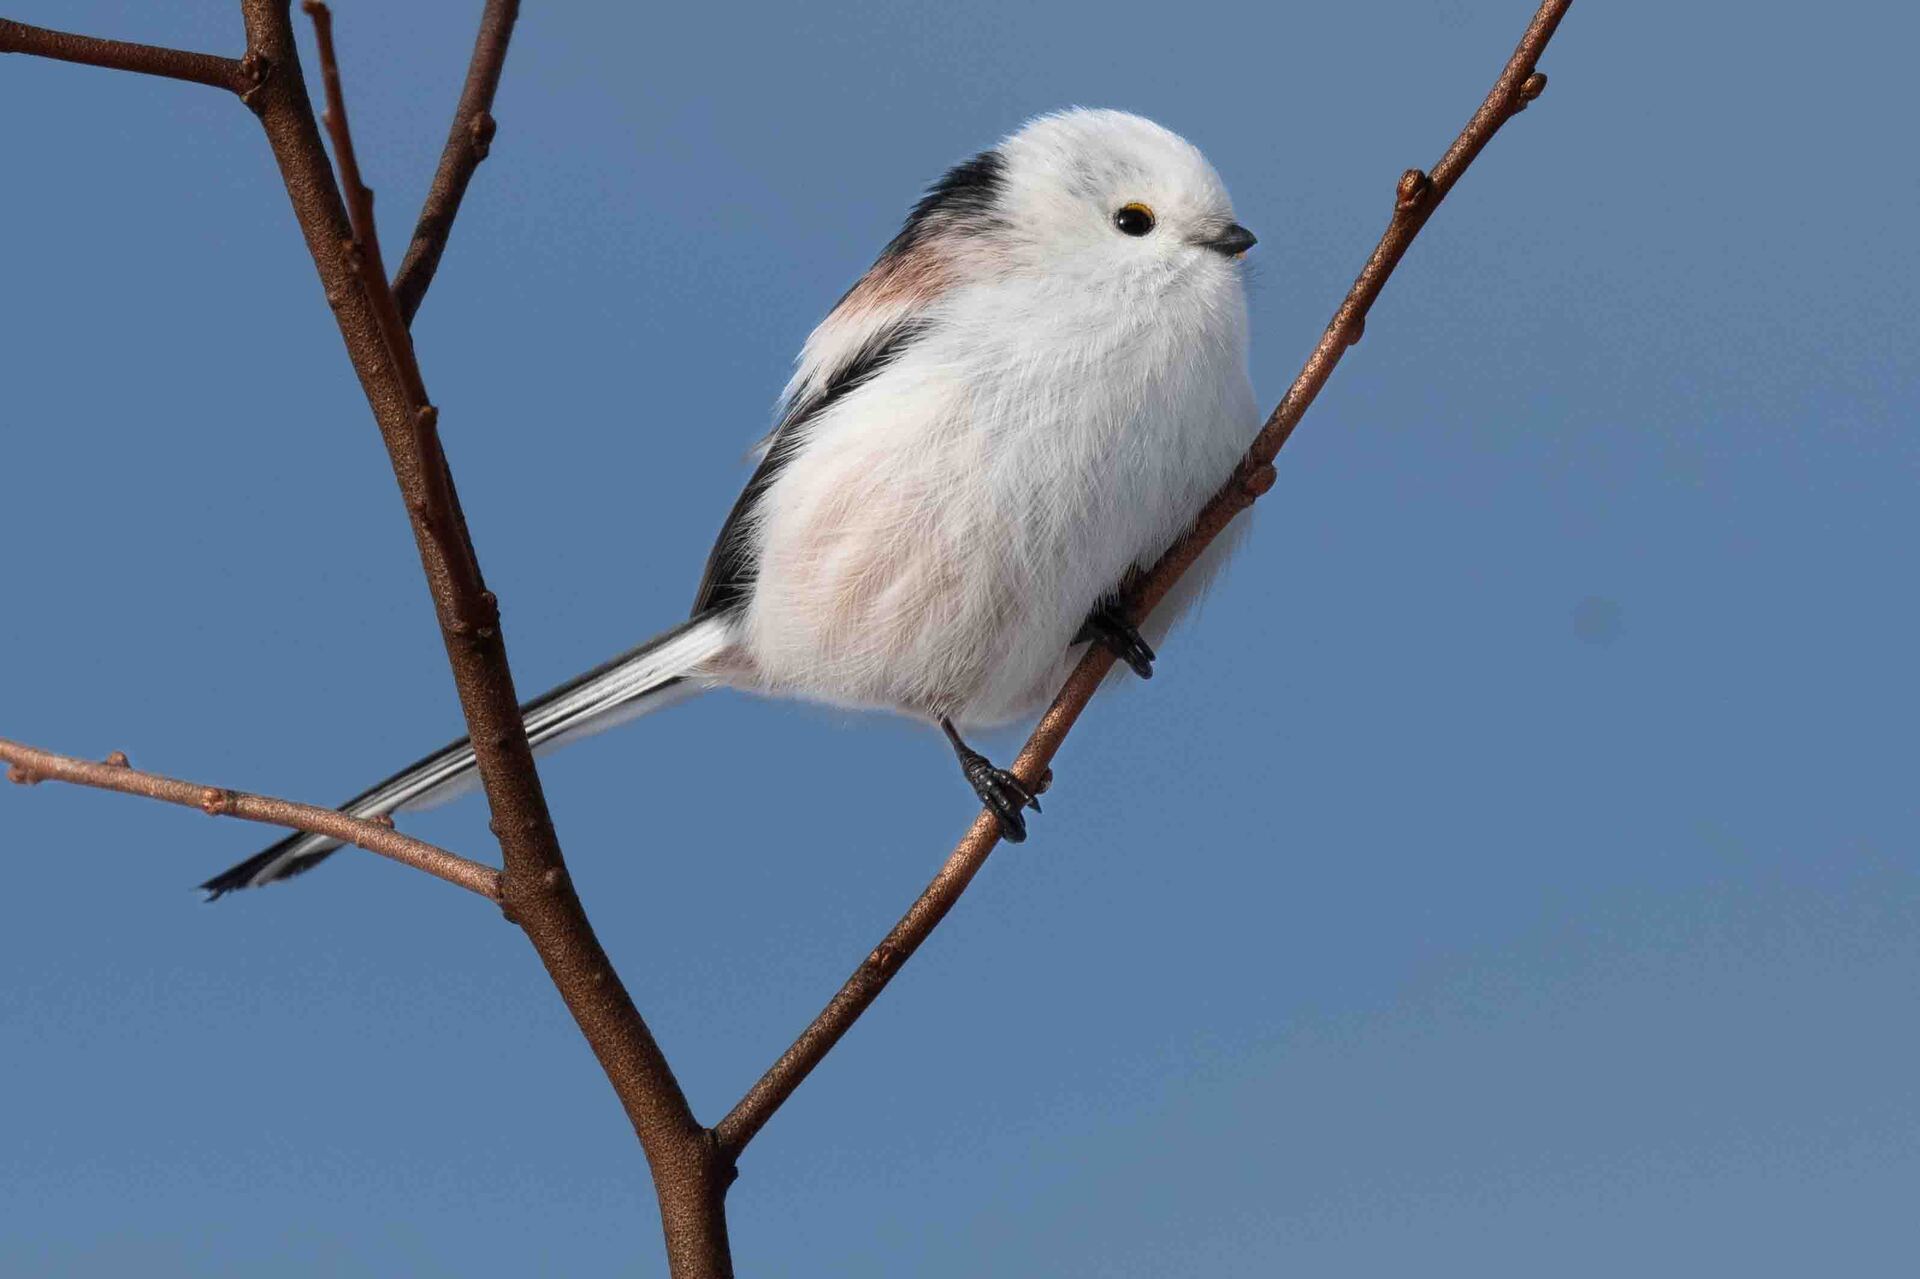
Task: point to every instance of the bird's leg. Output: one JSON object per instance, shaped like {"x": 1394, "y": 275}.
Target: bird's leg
{"x": 1108, "y": 626}
{"x": 998, "y": 789}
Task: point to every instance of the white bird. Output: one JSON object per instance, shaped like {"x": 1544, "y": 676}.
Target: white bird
{"x": 1027, "y": 398}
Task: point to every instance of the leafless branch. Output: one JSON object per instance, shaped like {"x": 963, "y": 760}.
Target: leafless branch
{"x": 121, "y": 55}
{"x": 533, "y": 886}
{"x": 467, "y": 145}
{"x": 1416, "y": 198}
{"x": 29, "y": 765}
{"x": 536, "y": 891}
{"x": 440, "y": 504}
{"x": 691, "y": 1165}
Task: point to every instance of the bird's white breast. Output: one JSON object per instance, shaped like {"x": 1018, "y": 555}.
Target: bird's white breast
{"x": 943, "y": 530}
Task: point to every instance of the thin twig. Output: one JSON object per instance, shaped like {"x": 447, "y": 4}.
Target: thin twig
{"x": 1417, "y": 196}
{"x": 368, "y": 263}
{"x": 30, "y": 765}
{"x": 468, "y": 143}
{"x": 365, "y": 246}
{"x": 122, "y": 55}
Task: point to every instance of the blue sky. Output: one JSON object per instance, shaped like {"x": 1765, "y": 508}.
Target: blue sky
{"x": 1512, "y": 870}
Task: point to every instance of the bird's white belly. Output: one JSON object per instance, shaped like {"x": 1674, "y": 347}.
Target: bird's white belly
{"x": 890, "y": 576}
{"x": 940, "y": 538}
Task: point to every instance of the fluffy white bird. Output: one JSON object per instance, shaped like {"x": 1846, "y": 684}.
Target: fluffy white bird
{"x": 1028, "y": 397}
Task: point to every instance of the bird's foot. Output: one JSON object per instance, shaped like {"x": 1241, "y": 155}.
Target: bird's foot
{"x": 1109, "y": 627}
{"x": 1002, "y": 792}
{"x": 997, "y": 788}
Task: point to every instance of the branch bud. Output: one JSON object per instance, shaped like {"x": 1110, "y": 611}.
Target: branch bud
{"x": 1257, "y": 481}
{"x": 255, "y": 67}
{"x": 1530, "y": 88}
{"x": 480, "y": 131}
{"x": 1413, "y": 189}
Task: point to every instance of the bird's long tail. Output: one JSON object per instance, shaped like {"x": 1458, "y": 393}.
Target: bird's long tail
{"x": 657, "y": 673}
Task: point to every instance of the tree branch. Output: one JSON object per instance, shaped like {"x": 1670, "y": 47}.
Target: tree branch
{"x": 121, "y": 55}
{"x": 1417, "y": 196}
{"x": 536, "y": 892}
{"x": 30, "y": 766}
{"x": 468, "y": 142}
{"x": 440, "y": 504}
{"x": 691, "y": 1166}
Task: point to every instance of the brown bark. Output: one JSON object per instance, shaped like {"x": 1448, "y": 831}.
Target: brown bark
{"x": 691, "y": 1165}
{"x": 27, "y": 766}
{"x": 122, "y": 55}
{"x": 468, "y": 143}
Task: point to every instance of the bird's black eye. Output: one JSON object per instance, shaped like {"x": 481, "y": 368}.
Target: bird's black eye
{"x": 1134, "y": 219}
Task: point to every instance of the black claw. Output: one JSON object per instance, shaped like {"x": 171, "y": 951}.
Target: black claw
{"x": 997, "y": 788}
{"x": 1004, "y": 793}
{"x": 1109, "y": 627}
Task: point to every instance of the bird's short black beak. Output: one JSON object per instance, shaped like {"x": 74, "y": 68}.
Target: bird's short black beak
{"x": 1232, "y": 240}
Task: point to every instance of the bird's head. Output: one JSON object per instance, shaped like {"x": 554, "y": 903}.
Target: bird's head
{"x": 1104, "y": 196}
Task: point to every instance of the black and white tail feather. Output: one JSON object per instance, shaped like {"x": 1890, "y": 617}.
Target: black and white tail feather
{"x": 654, "y": 675}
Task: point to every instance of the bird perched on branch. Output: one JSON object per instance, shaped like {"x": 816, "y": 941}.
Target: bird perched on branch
{"x": 1027, "y": 398}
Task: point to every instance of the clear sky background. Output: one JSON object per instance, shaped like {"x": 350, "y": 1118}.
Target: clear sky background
{"x": 1512, "y": 872}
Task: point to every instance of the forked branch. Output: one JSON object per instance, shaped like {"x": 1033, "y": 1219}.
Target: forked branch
{"x": 439, "y": 506}
{"x": 535, "y": 889}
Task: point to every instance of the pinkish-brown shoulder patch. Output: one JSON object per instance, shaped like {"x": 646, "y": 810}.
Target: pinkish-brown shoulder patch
{"x": 906, "y": 279}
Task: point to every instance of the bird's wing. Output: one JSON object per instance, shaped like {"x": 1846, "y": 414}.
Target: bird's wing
{"x": 876, "y": 320}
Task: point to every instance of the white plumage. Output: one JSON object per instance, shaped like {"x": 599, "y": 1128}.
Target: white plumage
{"x": 1026, "y": 398}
